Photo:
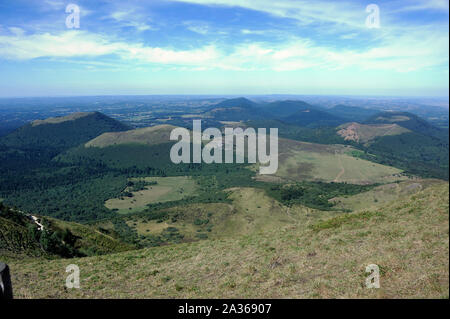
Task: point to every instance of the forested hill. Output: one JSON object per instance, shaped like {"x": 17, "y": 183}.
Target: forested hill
{"x": 62, "y": 132}
{"x": 352, "y": 113}
{"x": 280, "y": 109}
{"x": 410, "y": 121}
{"x": 240, "y": 109}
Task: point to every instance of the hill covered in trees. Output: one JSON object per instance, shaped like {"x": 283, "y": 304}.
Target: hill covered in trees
{"x": 63, "y": 132}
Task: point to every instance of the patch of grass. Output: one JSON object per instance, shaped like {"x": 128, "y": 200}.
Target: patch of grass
{"x": 166, "y": 189}
{"x": 348, "y": 218}
{"x": 314, "y": 162}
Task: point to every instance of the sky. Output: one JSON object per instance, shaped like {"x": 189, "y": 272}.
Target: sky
{"x": 224, "y": 47}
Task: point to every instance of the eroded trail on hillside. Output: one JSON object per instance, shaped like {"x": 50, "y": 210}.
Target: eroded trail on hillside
{"x": 289, "y": 215}
{"x": 40, "y": 226}
{"x": 342, "y": 172}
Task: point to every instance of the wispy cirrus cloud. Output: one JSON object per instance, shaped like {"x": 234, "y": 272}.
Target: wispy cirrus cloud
{"x": 130, "y": 18}
{"x": 404, "y": 55}
{"x": 199, "y": 27}
{"x": 338, "y": 12}
{"x": 282, "y": 38}
{"x": 421, "y": 5}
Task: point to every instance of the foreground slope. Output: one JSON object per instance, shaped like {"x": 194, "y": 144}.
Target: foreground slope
{"x": 23, "y": 234}
{"x": 311, "y": 258}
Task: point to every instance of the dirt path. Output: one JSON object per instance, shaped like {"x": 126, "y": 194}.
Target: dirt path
{"x": 389, "y": 130}
{"x": 342, "y": 172}
{"x": 289, "y": 215}
{"x": 40, "y": 226}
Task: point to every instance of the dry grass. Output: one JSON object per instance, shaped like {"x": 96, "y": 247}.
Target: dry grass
{"x": 364, "y": 133}
{"x": 148, "y": 135}
{"x": 300, "y": 161}
{"x": 167, "y": 189}
{"x": 408, "y": 239}
{"x": 382, "y": 195}
{"x": 61, "y": 119}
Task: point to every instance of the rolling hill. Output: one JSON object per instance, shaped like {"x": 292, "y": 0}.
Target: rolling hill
{"x": 352, "y": 113}
{"x": 402, "y": 140}
{"x": 281, "y": 109}
{"x": 310, "y": 254}
{"x": 410, "y": 121}
{"x": 239, "y": 109}
{"x": 149, "y": 136}
{"x": 336, "y": 204}
{"x": 143, "y": 147}
{"x": 300, "y": 161}
{"x": 363, "y": 133}
{"x": 62, "y": 132}
{"x": 313, "y": 117}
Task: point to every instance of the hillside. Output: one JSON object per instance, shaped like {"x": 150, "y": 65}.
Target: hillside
{"x": 149, "y": 135}
{"x": 280, "y": 109}
{"x": 352, "y": 113}
{"x": 313, "y": 117}
{"x": 240, "y": 109}
{"x": 314, "y": 256}
{"x": 62, "y": 133}
{"x": 47, "y": 237}
{"x": 300, "y": 161}
{"x": 417, "y": 154}
{"x": 411, "y": 122}
{"x": 16, "y": 239}
{"x": 363, "y": 133}
{"x": 147, "y": 147}
{"x": 241, "y": 102}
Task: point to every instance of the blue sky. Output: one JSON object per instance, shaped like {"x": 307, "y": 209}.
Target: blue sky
{"x": 224, "y": 47}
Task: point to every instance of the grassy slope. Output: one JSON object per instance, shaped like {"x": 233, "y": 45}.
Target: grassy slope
{"x": 148, "y": 135}
{"x": 409, "y": 121}
{"x": 383, "y": 194}
{"x": 408, "y": 239}
{"x": 62, "y": 133}
{"x": 90, "y": 240}
{"x": 364, "y": 133}
{"x": 251, "y": 211}
{"x": 307, "y": 161}
{"x": 167, "y": 189}
{"x": 16, "y": 240}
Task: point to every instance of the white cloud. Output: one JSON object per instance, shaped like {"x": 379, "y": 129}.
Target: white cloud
{"x": 54, "y": 5}
{"x": 16, "y": 31}
{"x": 339, "y": 12}
{"x": 130, "y": 18}
{"x": 415, "y": 5}
{"x": 65, "y": 44}
{"x": 197, "y": 27}
{"x": 83, "y": 44}
{"x": 196, "y": 57}
{"x": 247, "y": 31}
{"x": 404, "y": 54}
{"x": 349, "y": 36}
